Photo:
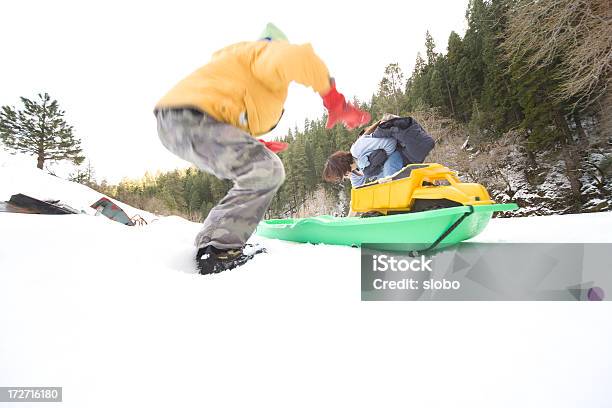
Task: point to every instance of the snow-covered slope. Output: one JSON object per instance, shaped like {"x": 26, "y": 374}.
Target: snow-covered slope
{"x": 17, "y": 176}
{"x": 117, "y": 316}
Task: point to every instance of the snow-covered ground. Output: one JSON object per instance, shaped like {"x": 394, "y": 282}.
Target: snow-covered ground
{"x": 19, "y": 176}
{"x": 117, "y": 316}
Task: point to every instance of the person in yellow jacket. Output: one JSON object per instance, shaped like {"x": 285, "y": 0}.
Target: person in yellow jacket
{"x": 211, "y": 118}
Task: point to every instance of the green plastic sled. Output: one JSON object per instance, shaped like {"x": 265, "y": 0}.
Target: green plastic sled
{"x": 423, "y": 228}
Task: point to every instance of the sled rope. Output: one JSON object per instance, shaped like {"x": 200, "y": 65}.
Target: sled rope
{"x": 449, "y": 230}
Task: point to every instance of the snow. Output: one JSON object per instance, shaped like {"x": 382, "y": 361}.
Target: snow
{"x": 16, "y": 176}
{"x": 117, "y": 316}
{"x": 596, "y": 227}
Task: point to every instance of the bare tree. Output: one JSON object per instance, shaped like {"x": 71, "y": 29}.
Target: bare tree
{"x": 390, "y": 88}
{"x": 575, "y": 33}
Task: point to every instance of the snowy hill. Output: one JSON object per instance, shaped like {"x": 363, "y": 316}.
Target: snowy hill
{"x": 17, "y": 176}
{"x": 117, "y": 316}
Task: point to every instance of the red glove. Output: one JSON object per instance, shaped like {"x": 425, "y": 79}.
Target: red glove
{"x": 275, "y": 146}
{"x": 339, "y": 110}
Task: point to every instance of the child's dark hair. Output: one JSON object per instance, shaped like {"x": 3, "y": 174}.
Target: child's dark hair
{"x": 337, "y": 166}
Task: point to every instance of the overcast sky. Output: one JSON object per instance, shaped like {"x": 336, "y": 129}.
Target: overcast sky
{"x": 108, "y": 63}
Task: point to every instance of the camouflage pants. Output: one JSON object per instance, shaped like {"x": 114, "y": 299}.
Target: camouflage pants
{"x": 228, "y": 153}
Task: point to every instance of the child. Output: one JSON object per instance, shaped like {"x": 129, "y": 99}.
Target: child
{"x": 211, "y": 118}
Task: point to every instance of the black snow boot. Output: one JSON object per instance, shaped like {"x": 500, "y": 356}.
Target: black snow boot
{"x": 215, "y": 260}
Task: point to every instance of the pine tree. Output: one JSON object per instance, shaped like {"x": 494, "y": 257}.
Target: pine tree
{"x": 503, "y": 111}
{"x": 436, "y": 75}
{"x": 471, "y": 67}
{"x": 415, "y": 86}
{"x": 389, "y": 97}
{"x": 454, "y": 56}
{"x": 84, "y": 175}
{"x": 430, "y": 46}
{"x": 39, "y": 129}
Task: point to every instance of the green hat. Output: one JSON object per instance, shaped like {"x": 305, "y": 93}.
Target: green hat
{"x": 272, "y": 32}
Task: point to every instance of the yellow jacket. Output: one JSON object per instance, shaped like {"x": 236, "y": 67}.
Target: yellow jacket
{"x": 246, "y": 84}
